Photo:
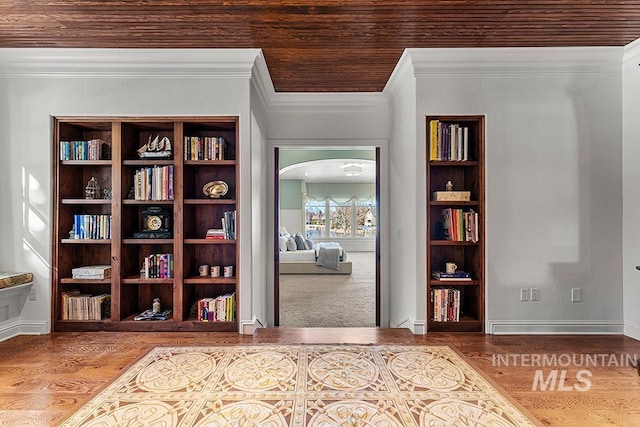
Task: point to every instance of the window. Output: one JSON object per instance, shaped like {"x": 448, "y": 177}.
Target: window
{"x": 365, "y": 213}
{"x": 349, "y": 219}
{"x": 315, "y": 219}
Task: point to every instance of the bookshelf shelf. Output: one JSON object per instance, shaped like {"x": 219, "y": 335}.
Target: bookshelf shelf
{"x": 210, "y": 280}
{"x": 455, "y": 228}
{"x": 85, "y": 201}
{"x": 147, "y": 202}
{"x": 85, "y": 163}
{"x": 210, "y": 162}
{"x": 466, "y": 163}
{"x": 453, "y": 283}
{"x": 187, "y": 212}
{"x": 210, "y": 241}
{"x": 451, "y": 243}
{"x": 147, "y": 241}
{"x": 86, "y": 241}
{"x": 454, "y": 203}
{"x": 210, "y": 202}
{"x": 146, "y": 163}
{"x": 67, "y": 280}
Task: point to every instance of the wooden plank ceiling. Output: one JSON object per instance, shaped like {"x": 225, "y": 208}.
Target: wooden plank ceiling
{"x": 319, "y": 45}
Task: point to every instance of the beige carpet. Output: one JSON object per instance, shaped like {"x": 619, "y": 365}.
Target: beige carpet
{"x": 331, "y": 300}
{"x": 301, "y": 385}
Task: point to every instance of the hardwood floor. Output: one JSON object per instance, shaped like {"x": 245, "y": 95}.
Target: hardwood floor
{"x": 43, "y": 379}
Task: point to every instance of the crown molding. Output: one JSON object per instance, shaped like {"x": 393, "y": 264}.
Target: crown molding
{"x": 403, "y": 72}
{"x": 261, "y": 80}
{"x": 176, "y": 63}
{"x": 321, "y": 102}
{"x": 517, "y": 62}
{"x": 631, "y": 55}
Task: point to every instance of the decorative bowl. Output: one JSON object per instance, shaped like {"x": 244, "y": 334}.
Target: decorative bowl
{"x": 215, "y": 189}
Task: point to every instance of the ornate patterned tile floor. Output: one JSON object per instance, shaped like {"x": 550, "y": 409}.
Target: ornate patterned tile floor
{"x": 301, "y": 385}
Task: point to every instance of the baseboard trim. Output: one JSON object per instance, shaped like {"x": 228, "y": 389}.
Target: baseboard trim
{"x": 632, "y": 331}
{"x": 18, "y": 327}
{"x": 417, "y": 327}
{"x": 554, "y": 327}
{"x": 249, "y": 327}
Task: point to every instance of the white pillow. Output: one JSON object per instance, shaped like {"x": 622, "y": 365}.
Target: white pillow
{"x": 291, "y": 244}
{"x": 282, "y": 243}
{"x": 308, "y": 243}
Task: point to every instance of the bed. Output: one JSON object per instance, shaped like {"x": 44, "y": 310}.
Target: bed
{"x": 325, "y": 258}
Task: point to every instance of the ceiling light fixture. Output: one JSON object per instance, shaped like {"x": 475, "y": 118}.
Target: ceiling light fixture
{"x": 352, "y": 169}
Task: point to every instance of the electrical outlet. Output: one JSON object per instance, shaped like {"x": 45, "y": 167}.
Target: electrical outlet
{"x": 524, "y": 294}
{"x": 576, "y": 295}
{"x": 535, "y": 296}
{"x": 32, "y": 294}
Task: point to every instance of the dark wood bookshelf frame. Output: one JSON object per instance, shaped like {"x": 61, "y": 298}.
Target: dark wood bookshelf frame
{"x": 466, "y": 175}
{"x": 191, "y": 213}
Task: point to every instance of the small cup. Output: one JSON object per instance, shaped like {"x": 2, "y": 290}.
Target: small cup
{"x": 228, "y": 271}
{"x": 451, "y": 267}
{"x": 215, "y": 271}
{"x": 203, "y": 270}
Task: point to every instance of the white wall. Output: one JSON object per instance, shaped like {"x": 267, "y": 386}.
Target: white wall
{"x": 554, "y": 162}
{"x": 292, "y": 220}
{"x": 40, "y": 83}
{"x": 261, "y": 243}
{"x": 406, "y": 225}
{"x": 553, "y": 183}
{"x": 631, "y": 190}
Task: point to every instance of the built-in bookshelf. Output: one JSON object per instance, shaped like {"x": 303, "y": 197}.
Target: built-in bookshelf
{"x": 129, "y": 194}
{"x": 455, "y": 223}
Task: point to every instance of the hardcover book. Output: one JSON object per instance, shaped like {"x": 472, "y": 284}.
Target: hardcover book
{"x": 92, "y": 272}
{"x": 451, "y": 196}
{"x": 150, "y": 315}
{"x": 457, "y": 276}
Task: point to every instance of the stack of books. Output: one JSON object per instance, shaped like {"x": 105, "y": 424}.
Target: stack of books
{"x": 215, "y": 233}
{"x": 451, "y": 277}
{"x": 151, "y": 315}
{"x": 92, "y": 272}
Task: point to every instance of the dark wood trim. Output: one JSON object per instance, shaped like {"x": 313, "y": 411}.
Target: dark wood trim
{"x": 276, "y": 234}
{"x": 378, "y": 290}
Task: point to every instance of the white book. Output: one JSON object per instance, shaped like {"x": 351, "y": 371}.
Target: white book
{"x": 92, "y": 272}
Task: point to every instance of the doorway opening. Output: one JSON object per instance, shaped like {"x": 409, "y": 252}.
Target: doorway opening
{"x": 327, "y": 262}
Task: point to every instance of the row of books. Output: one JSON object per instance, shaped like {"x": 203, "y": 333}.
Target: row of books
{"x": 204, "y": 148}
{"x": 229, "y": 224}
{"x": 93, "y": 149}
{"x": 79, "y": 306}
{"x": 446, "y": 305}
{"x": 158, "y": 266}
{"x": 155, "y": 183}
{"x": 217, "y": 309}
{"x": 96, "y": 227}
{"x": 460, "y": 225}
{"x": 448, "y": 141}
